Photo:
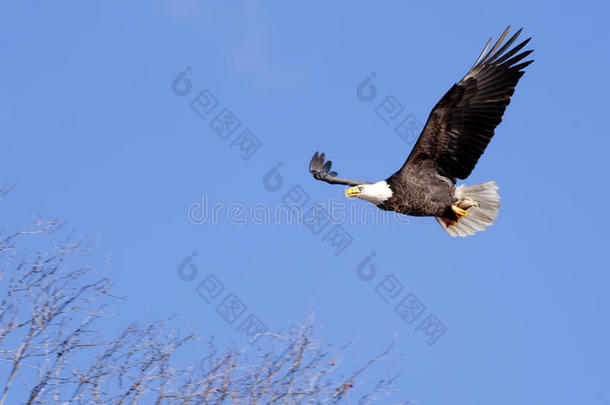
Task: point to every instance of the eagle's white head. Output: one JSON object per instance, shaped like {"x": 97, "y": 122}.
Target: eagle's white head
{"x": 376, "y": 193}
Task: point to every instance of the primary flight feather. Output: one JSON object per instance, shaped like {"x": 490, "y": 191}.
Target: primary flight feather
{"x": 456, "y": 134}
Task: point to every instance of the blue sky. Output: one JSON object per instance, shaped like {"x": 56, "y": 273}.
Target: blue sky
{"x": 95, "y": 134}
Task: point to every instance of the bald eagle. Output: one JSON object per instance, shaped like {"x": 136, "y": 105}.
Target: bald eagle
{"x": 456, "y": 134}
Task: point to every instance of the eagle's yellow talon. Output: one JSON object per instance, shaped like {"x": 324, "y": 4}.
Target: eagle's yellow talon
{"x": 458, "y": 211}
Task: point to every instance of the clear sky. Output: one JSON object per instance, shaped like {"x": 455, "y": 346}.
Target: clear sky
{"x": 101, "y": 131}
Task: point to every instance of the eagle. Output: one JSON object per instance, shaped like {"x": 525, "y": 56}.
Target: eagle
{"x": 455, "y": 136}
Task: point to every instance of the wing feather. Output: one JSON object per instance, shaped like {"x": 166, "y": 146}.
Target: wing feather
{"x": 463, "y": 122}
{"x": 321, "y": 171}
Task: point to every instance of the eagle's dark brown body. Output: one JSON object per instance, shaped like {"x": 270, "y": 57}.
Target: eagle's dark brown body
{"x": 420, "y": 194}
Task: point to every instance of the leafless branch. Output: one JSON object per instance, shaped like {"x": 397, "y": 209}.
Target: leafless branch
{"x": 51, "y": 351}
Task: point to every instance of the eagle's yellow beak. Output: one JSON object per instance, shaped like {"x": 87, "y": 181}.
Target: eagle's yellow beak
{"x": 352, "y": 192}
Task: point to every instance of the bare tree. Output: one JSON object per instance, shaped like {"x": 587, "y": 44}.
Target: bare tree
{"x": 51, "y": 353}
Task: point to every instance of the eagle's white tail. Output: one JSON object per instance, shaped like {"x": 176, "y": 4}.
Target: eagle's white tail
{"x": 479, "y": 217}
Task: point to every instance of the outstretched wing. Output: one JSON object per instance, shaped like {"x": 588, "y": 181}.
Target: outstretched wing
{"x": 321, "y": 171}
{"x": 463, "y": 122}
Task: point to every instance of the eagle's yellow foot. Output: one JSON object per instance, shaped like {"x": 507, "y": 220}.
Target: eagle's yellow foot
{"x": 458, "y": 211}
